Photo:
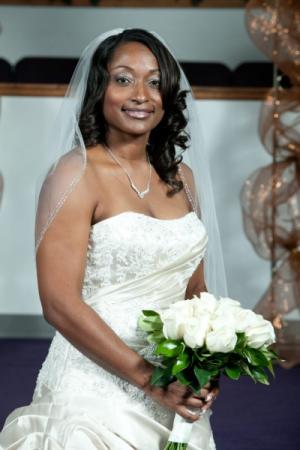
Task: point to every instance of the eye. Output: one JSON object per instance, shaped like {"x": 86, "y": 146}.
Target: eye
{"x": 122, "y": 80}
{"x": 155, "y": 83}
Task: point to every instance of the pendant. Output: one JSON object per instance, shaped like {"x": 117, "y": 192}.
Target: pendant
{"x": 141, "y": 194}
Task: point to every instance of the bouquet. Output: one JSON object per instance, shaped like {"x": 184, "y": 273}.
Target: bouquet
{"x": 197, "y": 340}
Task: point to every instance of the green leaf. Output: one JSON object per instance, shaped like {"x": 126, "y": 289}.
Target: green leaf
{"x": 272, "y": 353}
{"x": 195, "y": 386}
{"x": 233, "y": 372}
{"x": 200, "y": 357}
{"x": 182, "y": 362}
{"x": 161, "y": 376}
{"x": 255, "y": 357}
{"x": 155, "y": 322}
{"x": 203, "y": 376}
{"x": 150, "y": 324}
{"x": 150, "y": 313}
{"x": 156, "y": 337}
{"x": 270, "y": 367}
{"x": 245, "y": 369}
{"x": 175, "y": 446}
{"x": 144, "y": 325}
{"x": 260, "y": 375}
{"x": 157, "y": 374}
{"x": 169, "y": 348}
{"x": 241, "y": 340}
{"x": 181, "y": 377}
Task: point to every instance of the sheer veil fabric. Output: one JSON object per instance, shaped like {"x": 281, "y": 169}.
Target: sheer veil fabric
{"x": 66, "y": 157}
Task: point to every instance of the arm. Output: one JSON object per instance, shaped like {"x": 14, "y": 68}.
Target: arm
{"x": 187, "y": 177}
{"x": 61, "y": 261}
{"x": 196, "y": 283}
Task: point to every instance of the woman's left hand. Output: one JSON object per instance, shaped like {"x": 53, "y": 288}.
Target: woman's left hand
{"x": 208, "y": 395}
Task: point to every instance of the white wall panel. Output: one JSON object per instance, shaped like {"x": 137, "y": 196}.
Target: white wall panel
{"x": 230, "y": 132}
{"x": 195, "y": 34}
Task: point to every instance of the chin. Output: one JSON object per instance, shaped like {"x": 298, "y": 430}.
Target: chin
{"x": 137, "y": 130}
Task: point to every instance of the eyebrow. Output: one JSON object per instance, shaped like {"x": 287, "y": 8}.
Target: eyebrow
{"x": 131, "y": 69}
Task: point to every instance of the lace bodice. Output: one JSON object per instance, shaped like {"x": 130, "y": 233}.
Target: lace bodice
{"x": 134, "y": 262}
{"x": 131, "y": 245}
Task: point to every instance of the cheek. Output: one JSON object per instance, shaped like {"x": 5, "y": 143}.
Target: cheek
{"x": 159, "y": 106}
{"x": 112, "y": 99}
{"x": 159, "y": 111}
{"x": 159, "y": 117}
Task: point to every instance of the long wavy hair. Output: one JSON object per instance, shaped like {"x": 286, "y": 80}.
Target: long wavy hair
{"x": 170, "y": 132}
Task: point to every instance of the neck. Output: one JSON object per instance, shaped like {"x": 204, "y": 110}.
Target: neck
{"x": 133, "y": 149}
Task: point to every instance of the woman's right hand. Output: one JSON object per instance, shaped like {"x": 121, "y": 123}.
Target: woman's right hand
{"x": 180, "y": 399}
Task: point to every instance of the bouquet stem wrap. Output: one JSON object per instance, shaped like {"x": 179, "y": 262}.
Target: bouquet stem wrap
{"x": 181, "y": 431}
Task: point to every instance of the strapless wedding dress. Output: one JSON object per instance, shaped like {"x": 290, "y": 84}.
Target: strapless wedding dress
{"x": 134, "y": 262}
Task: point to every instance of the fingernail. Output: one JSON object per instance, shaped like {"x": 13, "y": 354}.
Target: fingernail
{"x": 196, "y": 412}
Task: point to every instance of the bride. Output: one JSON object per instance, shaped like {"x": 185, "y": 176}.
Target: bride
{"x": 117, "y": 231}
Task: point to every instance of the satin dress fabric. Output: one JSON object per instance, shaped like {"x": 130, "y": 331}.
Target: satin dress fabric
{"x": 134, "y": 262}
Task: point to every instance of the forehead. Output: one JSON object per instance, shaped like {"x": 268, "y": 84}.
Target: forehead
{"x": 135, "y": 55}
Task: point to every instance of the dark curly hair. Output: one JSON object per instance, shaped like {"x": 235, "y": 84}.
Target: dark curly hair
{"x": 168, "y": 133}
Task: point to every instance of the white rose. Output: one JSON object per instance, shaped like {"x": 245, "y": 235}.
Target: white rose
{"x": 226, "y": 303}
{"x": 183, "y": 307}
{"x": 260, "y": 334}
{"x": 196, "y": 330}
{"x": 206, "y": 303}
{"x": 226, "y": 307}
{"x": 173, "y": 326}
{"x": 226, "y": 319}
{"x": 222, "y": 340}
{"x": 229, "y": 301}
{"x": 244, "y": 319}
{"x": 174, "y": 319}
{"x": 224, "y": 313}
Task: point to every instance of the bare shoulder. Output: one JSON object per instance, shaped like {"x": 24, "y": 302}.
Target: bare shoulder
{"x": 67, "y": 189}
{"x": 96, "y": 155}
{"x": 187, "y": 174}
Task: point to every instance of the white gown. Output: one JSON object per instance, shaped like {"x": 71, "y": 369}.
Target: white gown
{"x": 134, "y": 262}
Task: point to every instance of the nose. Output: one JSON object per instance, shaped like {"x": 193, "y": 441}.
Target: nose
{"x": 140, "y": 93}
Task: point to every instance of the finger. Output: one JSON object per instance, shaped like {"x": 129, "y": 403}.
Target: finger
{"x": 187, "y": 393}
{"x": 207, "y": 406}
{"x": 179, "y": 389}
{"x": 213, "y": 394}
{"x": 188, "y": 414}
{"x": 207, "y": 395}
{"x": 211, "y": 397}
{"x": 203, "y": 393}
{"x": 194, "y": 402}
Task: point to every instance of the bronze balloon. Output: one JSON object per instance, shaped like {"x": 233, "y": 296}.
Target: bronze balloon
{"x": 271, "y": 195}
{"x": 274, "y": 26}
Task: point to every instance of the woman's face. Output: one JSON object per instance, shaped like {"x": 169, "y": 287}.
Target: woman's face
{"x": 132, "y": 101}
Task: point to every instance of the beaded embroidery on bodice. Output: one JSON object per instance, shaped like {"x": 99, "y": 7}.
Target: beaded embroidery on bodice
{"x": 131, "y": 245}
{"x": 134, "y": 262}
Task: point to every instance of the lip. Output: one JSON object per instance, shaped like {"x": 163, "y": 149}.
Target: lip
{"x": 137, "y": 113}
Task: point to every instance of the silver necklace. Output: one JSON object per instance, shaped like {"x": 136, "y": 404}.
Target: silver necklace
{"x": 141, "y": 194}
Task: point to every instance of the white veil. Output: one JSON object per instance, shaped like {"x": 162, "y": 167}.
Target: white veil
{"x": 65, "y": 154}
